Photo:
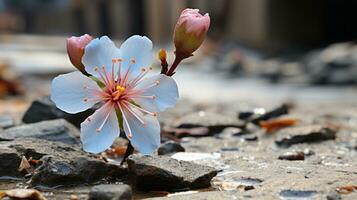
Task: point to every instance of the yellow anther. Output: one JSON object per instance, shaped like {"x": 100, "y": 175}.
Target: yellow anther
{"x": 143, "y": 69}
{"x": 85, "y": 99}
{"x": 150, "y": 68}
{"x": 157, "y": 82}
{"x": 119, "y": 60}
{"x": 121, "y": 89}
{"x": 96, "y": 69}
{"x": 97, "y": 130}
{"x": 133, "y": 60}
{"x": 114, "y": 60}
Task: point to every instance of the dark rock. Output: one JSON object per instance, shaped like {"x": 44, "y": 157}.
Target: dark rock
{"x": 213, "y": 121}
{"x": 165, "y": 173}
{"x": 250, "y": 138}
{"x": 229, "y": 149}
{"x": 44, "y": 109}
{"x": 304, "y": 134}
{"x": 243, "y": 115}
{"x": 170, "y": 147}
{"x": 61, "y": 164}
{"x": 292, "y": 156}
{"x": 297, "y": 194}
{"x": 6, "y": 121}
{"x": 281, "y": 110}
{"x": 333, "y": 195}
{"x": 53, "y": 130}
{"x": 111, "y": 192}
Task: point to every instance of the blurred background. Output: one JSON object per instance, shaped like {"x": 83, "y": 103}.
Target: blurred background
{"x": 257, "y": 49}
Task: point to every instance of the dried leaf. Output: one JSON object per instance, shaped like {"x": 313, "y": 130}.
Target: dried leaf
{"x": 34, "y": 162}
{"x": 274, "y": 125}
{"x": 23, "y": 194}
{"x": 2, "y": 194}
{"x": 25, "y": 165}
{"x": 346, "y": 189}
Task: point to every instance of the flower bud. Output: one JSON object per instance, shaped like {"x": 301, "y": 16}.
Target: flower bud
{"x": 75, "y": 49}
{"x": 190, "y": 31}
{"x": 162, "y": 55}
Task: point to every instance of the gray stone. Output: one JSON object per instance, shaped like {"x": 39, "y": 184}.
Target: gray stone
{"x": 111, "y": 192}
{"x": 170, "y": 147}
{"x": 304, "y": 134}
{"x": 44, "y": 109}
{"x": 53, "y": 130}
{"x": 165, "y": 173}
{"x": 61, "y": 164}
{"x": 6, "y": 121}
{"x": 214, "y": 121}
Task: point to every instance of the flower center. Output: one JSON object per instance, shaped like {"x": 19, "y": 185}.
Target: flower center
{"x": 119, "y": 90}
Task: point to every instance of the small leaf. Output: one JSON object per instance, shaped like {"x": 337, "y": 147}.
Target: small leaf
{"x": 99, "y": 83}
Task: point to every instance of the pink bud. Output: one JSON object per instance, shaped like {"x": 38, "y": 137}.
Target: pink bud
{"x": 190, "y": 31}
{"x": 75, "y": 49}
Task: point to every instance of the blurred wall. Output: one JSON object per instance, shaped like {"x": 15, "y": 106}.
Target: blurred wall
{"x": 264, "y": 24}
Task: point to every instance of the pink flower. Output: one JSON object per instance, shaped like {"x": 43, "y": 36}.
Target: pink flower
{"x": 75, "y": 49}
{"x": 190, "y": 31}
{"x": 128, "y": 99}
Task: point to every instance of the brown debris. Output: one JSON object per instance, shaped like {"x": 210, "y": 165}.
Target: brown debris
{"x": 183, "y": 132}
{"x": 8, "y": 82}
{"x": 23, "y": 194}
{"x": 25, "y": 166}
{"x": 74, "y": 197}
{"x": 274, "y": 125}
{"x": 346, "y": 189}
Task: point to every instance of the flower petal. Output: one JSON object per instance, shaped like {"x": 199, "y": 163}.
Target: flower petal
{"x": 144, "y": 137}
{"x": 105, "y": 119}
{"x": 138, "y": 48}
{"x": 166, "y": 93}
{"x": 74, "y": 92}
{"x": 98, "y": 53}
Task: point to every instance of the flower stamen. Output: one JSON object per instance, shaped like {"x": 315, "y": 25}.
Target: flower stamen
{"x": 125, "y": 120}
{"x": 135, "y": 115}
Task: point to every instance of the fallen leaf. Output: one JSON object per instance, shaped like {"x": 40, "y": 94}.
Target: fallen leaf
{"x": 2, "y": 195}
{"x": 346, "y": 189}
{"x": 34, "y": 162}
{"x": 23, "y": 194}
{"x": 25, "y": 165}
{"x": 274, "y": 125}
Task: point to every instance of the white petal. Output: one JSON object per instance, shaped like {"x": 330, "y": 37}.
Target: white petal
{"x": 94, "y": 141}
{"x": 166, "y": 93}
{"x": 144, "y": 137}
{"x": 100, "y": 52}
{"x": 138, "y": 48}
{"x": 69, "y": 92}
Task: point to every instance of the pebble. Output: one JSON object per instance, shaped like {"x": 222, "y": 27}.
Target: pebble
{"x": 111, "y": 192}
{"x": 170, "y": 147}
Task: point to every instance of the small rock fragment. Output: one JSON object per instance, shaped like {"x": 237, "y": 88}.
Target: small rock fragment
{"x": 213, "y": 121}
{"x": 281, "y": 110}
{"x": 297, "y": 194}
{"x": 6, "y": 121}
{"x": 250, "y": 138}
{"x": 165, "y": 173}
{"x": 170, "y": 147}
{"x": 304, "y": 134}
{"x": 111, "y": 192}
{"x": 44, "y": 109}
{"x": 54, "y": 130}
{"x": 292, "y": 156}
